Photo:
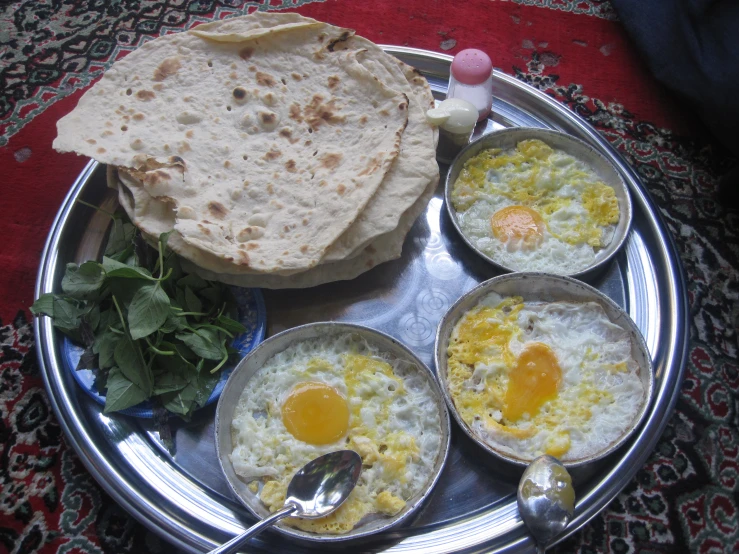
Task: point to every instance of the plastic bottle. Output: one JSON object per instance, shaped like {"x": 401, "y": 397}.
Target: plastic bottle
{"x": 472, "y": 80}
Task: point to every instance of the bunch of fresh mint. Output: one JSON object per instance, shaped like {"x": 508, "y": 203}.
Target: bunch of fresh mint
{"x": 150, "y": 330}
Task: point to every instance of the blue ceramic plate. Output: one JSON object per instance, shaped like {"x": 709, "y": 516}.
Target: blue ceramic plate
{"x": 252, "y": 315}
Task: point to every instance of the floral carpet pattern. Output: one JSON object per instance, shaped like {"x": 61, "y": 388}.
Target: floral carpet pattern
{"x": 686, "y": 497}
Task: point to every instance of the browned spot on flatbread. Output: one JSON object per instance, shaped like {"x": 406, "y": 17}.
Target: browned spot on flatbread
{"x": 252, "y": 68}
{"x": 304, "y": 248}
{"x": 370, "y": 263}
{"x": 190, "y": 133}
{"x": 91, "y": 141}
{"x": 268, "y": 118}
{"x": 106, "y": 133}
{"x": 402, "y": 106}
{"x": 363, "y": 119}
{"x": 101, "y": 150}
{"x": 252, "y": 246}
{"x": 145, "y": 95}
{"x": 271, "y": 188}
{"x": 226, "y": 164}
{"x": 204, "y": 229}
{"x": 158, "y": 87}
{"x": 373, "y": 165}
{"x": 295, "y": 113}
{"x": 296, "y": 76}
{"x": 245, "y": 53}
{"x": 272, "y": 155}
{"x": 344, "y": 36}
{"x": 217, "y": 210}
{"x": 168, "y": 67}
{"x": 265, "y": 79}
{"x": 333, "y": 81}
{"x": 138, "y": 117}
{"x": 341, "y": 189}
{"x": 156, "y": 177}
{"x": 288, "y": 134}
{"x": 318, "y": 112}
{"x": 243, "y": 258}
{"x": 184, "y": 147}
{"x": 370, "y": 249}
{"x": 239, "y": 93}
{"x": 384, "y": 112}
{"x": 290, "y": 166}
{"x": 330, "y": 161}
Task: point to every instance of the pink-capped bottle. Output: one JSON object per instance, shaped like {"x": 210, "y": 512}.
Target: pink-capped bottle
{"x": 472, "y": 80}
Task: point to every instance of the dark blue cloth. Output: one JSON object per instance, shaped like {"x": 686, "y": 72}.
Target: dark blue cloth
{"x": 692, "y": 47}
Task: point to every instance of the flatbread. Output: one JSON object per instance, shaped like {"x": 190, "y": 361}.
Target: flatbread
{"x": 268, "y": 145}
{"x": 415, "y": 165}
{"x": 157, "y": 218}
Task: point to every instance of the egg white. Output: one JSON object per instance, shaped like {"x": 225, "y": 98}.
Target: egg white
{"x": 396, "y": 411}
{"x": 597, "y": 400}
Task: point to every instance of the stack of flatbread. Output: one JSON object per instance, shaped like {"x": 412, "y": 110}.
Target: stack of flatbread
{"x": 280, "y": 151}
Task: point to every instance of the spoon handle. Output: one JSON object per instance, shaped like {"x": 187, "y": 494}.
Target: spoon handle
{"x": 234, "y": 544}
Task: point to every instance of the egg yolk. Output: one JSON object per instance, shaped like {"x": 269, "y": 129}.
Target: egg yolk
{"x": 518, "y": 223}
{"x": 315, "y": 413}
{"x": 533, "y": 381}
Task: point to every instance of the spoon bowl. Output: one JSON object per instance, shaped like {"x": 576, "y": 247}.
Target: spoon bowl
{"x": 316, "y": 490}
{"x": 546, "y": 499}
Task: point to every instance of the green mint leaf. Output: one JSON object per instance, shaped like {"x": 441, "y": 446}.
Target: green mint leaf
{"x": 205, "y": 384}
{"x": 87, "y": 360}
{"x": 181, "y": 402}
{"x": 185, "y": 352}
{"x": 194, "y": 281}
{"x": 192, "y": 301}
{"x": 121, "y": 237}
{"x": 115, "y": 268}
{"x": 122, "y": 393}
{"x": 230, "y": 325}
{"x": 93, "y": 317}
{"x": 148, "y": 310}
{"x": 104, "y": 347}
{"x": 206, "y": 343}
{"x": 173, "y": 323}
{"x": 84, "y": 281}
{"x": 214, "y": 294}
{"x": 67, "y": 313}
{"x": 130, "y": 362}
{"x": 44, "y": 305}
{"x": 170, "y": 381}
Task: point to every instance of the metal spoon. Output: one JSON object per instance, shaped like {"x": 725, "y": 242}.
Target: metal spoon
{"x": 546, "y": 499}
{"x": 315, "y": 491}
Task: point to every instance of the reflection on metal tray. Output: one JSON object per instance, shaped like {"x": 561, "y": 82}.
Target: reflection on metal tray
{"x": 185, "y": 498}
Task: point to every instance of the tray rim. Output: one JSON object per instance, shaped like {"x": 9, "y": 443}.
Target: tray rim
{"x": 108, "y": 475}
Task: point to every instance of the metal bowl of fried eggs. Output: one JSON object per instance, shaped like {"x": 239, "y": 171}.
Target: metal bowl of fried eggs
{"x": 533, "y": 364}
{"x": 329, "y": 386}
{"x": 529, "y": 199}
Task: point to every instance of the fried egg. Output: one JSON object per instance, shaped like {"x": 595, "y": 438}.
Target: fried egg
{"x": 332, "y": 393}
{"x": 532, "y": 208}
{"x": 534, "y": 378}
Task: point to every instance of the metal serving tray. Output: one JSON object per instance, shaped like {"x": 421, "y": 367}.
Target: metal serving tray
{"x": 185, "y": 498}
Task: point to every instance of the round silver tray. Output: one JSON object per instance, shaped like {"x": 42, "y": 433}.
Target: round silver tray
{"x": 185, "y": 498}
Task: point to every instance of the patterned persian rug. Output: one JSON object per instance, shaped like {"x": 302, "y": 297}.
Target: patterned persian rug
{"x": 686, "y": 497}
